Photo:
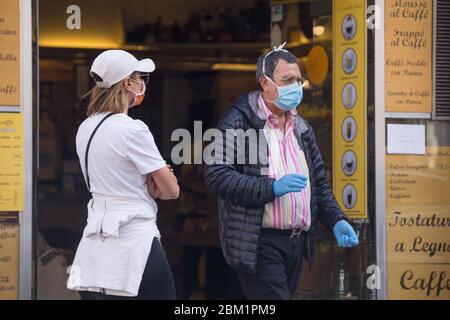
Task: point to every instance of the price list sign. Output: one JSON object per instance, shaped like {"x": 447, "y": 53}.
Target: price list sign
{"x": 12, "y": 162}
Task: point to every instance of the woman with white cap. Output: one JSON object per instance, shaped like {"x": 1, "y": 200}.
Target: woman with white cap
{"x": 120, "y": 254}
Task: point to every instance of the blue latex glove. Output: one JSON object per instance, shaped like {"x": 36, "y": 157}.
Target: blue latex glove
{"x": 345, "y": 235}
{"x": 293, "y": 182}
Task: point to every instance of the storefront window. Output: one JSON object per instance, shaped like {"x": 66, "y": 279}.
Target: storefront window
{"x": 376, "y": 96}
{"x": 307, "y": 27}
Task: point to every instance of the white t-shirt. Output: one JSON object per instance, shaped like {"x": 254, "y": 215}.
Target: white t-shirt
{"x": 122, "y": 154}
{"x": 121, "y": 224}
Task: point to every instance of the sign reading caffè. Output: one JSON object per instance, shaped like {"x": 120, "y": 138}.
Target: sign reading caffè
{"x": 408, "y": 56}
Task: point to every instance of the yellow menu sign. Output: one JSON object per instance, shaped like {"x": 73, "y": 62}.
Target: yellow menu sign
{"x": 418, "y": 225}
{"x": 9, "y": 261}
{"x": 408, "y": 56}
{"x": 9, "y": 53}
{"x": 12, "y": 162}
{"x": 349, "y": 106}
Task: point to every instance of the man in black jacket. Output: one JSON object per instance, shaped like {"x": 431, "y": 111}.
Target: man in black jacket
{"x": 268, "y": 174}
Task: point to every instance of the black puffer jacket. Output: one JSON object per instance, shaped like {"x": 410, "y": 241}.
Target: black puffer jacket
{"x": 244, "y": 189}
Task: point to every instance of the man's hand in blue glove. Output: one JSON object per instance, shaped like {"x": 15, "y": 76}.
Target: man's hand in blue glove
{"x": 345, "y": 235}
{"x": 293, "y": 182}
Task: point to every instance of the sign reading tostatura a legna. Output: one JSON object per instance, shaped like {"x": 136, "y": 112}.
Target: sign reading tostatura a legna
{"x": 418, "y": 225}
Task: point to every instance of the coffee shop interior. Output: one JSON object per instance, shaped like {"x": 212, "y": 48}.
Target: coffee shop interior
{"x": 205, "y": 54}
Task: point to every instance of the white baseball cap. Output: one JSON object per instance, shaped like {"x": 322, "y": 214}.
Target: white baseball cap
{"x": 112, "y": 66}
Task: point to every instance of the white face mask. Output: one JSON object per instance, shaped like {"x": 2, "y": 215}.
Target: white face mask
{"x": 143, "y": 89}
{"x": 138, "y": 97}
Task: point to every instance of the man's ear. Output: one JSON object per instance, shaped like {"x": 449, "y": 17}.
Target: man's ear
{"x": 264, "y": 83}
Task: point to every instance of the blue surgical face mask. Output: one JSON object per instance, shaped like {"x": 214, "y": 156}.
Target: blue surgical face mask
{"x": 289, "y": 96}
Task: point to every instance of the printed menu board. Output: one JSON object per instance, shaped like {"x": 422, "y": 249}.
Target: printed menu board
{"x": 408, "y": 56}
{"x": 9, "y": 53}
{"x": 418, "y": 225}
{"x": 349, "y": 106}
{"x": 12, "y": 162}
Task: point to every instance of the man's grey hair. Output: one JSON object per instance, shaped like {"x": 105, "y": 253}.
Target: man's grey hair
{"x": 271, "y": 62}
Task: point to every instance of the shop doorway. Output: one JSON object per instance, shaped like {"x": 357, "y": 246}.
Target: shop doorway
{"x": 204, "y": 60}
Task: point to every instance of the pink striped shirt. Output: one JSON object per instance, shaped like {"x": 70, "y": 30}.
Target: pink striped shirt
{"x": 285, "y": 156}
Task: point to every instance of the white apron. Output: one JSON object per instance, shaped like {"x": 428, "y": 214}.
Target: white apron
{"x": 115, "y": 246}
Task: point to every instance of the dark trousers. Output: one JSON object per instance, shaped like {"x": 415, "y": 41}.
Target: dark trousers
{"x": 278, "y": 267}
{"x": 157, "y": 281}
